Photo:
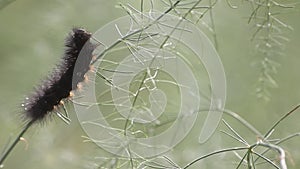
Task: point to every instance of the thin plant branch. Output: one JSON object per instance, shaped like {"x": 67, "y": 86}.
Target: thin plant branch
{"x": 15, "y": 142}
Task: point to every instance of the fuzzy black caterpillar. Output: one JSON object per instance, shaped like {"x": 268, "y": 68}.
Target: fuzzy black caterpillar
{"x": 63, "y": 79}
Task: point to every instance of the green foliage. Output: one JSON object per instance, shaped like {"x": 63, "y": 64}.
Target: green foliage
{"x": 268, "y": 30}
{"x": 270, "y": 37}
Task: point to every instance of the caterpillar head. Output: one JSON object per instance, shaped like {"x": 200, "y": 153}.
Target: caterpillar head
{"x": 80, "y": 37}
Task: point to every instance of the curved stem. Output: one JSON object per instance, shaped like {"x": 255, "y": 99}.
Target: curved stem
{"x": 214, "y": 153}
{"x": 11, "y": 147}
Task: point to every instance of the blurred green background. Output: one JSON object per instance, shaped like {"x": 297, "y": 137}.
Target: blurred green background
{"x": 31, "y": 38}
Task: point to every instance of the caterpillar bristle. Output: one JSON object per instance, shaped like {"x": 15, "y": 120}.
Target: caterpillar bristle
{"x": 59, "y": 84}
